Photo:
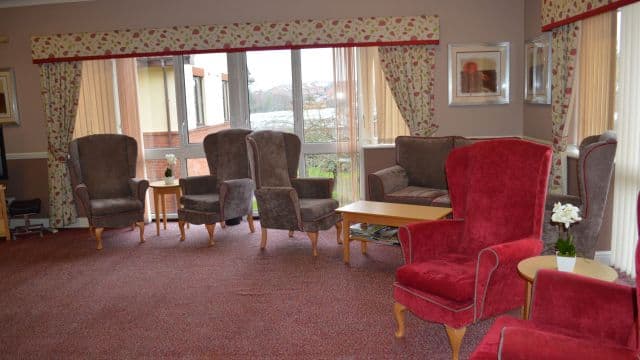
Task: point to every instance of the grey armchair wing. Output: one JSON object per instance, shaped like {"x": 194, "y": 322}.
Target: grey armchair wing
{"x": 225, "y": 194}
{"x": 595, "y": 168}
{"x": 103, "y": 170}
{"x": 285, "y": 201}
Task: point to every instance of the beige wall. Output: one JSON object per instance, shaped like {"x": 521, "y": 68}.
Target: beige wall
{"x": 536, "y": 117}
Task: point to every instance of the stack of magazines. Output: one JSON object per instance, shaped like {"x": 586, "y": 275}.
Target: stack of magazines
{"x": 387, "y": 235}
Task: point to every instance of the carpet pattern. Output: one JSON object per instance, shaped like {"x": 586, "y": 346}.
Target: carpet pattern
{"x": 59, "y": 297}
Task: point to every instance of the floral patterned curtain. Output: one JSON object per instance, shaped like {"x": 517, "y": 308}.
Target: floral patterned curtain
{"x": 409, "y": 71}
{"x": 60, "y": 89}
{"x": 565, "y": 42}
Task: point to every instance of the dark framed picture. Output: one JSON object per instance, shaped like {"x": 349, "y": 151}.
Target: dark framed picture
{"x": 537, "y": 67}
{"x": 479, "y": 73}
{"x": 3, "y": 158}
{"x": 8, "y": 100}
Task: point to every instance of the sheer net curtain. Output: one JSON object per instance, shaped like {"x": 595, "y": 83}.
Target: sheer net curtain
{"x": 627, "y": 126}
{"x": 382, "y": 120}
{"x": 348, "y": 169}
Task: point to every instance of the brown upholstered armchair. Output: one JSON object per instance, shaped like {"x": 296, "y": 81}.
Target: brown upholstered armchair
{"x": 285, "y": 201}
{"x": 103, "y": 170}
{"x": 225, "y": 194}
{"x": 595, "y": 167}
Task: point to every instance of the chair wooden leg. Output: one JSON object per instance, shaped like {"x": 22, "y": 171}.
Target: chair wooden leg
{"x": 211, "y": 229}
{"x": 181, "y": 226}
{"x": 92, "y": 231}
{"x": 140, "y": 225}
{"x": 339, "y": 232}
{"x": 314, "y": 242}
{"x": 97, "y": 232}
{"x": 398, "y": 314}
{"x": 455, "y": 340}
{"x": 252, "y": 228}
{"x": 290, "y": 233}
{"x": 263, "y": 241}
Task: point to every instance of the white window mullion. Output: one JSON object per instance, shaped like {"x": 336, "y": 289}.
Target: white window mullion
{"x": 298, "y": 115}
{"x": 238, "y": 90}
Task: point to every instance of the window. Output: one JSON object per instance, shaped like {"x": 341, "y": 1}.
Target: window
{"x": 170, "y": 103}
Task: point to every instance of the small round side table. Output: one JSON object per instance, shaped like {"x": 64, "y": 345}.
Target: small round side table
{"x": 528, "y": 268}
{"x": 160, "y": 189}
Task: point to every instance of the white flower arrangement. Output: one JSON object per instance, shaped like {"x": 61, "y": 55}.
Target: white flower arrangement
{"x": 171, "y": 162}
{"x": 565, "y": 214}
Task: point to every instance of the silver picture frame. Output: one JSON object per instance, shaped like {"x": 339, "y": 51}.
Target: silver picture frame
{"x": 479, "y": 73}
{"x": 9, "y": 114}
{"x": 537, "y": 70}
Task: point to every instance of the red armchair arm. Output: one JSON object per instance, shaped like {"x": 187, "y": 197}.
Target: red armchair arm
{"x": 587, "y": 306}
{"x": 530, "y": 344}
{"x": 424, "y": 240}
{"x": 497, "y": 280}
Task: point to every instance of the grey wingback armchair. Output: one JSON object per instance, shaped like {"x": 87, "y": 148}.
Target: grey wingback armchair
{"x": 595, "y": 167}
{"x": 103, "y": 170}
{"x": 225, "y": 194}
{"x": 285, "y": 201}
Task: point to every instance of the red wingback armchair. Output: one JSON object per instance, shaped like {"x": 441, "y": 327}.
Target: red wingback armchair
{"x": 462, "y": 270}
{"x": 572, "y": 317}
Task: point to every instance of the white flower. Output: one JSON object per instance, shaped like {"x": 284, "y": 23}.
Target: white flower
{"x": 171, "y": 159}
{"x": 566, "y": 214}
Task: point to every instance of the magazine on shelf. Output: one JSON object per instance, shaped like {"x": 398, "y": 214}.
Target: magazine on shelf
{"x": 377, "y": 233}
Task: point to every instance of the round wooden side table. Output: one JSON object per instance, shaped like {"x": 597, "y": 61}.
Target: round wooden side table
{"x": 528, "y": 268}
{"x": 160, "y": 189}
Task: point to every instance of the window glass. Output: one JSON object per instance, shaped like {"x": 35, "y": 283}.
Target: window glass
{"x": 206, "y": 79}
{"x": 270, "y": 90}
{"x": 157, "y": 102}
{"x": 318, "y": 95}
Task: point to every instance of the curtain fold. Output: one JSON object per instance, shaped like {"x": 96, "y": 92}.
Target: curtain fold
{"x": 410, "y": 73}
{"x": 60, "y": 90}
{"x": 348, "y": 173}
{"x": 597, "y": 76}
{"x": 565, "y": 43}
{"x": 624, "y": 236}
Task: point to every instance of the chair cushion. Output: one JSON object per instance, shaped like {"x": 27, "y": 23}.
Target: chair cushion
{"x": 101, "y": 207}
{"x": 312, "y": 209}
{"x": 417, "y": 195}
{"x": 451, "y": 276}
{"x": 201, "y": 202}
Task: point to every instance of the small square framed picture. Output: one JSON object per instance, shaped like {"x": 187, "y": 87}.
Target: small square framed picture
{"x": 479, "y": 73}
{"x": 8, "y": 100}
{"x": 537, "y": 67}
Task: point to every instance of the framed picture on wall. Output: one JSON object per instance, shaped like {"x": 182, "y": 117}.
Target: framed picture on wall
{"x": 537, "y": 67}
{"x": 8, "y": 99}
{"x": 479, "y": 73}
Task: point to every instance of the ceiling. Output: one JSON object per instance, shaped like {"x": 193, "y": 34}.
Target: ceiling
{"x": 22, "y": 3}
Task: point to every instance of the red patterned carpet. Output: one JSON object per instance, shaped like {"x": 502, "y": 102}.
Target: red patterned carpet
{"x": 59, "y": 297}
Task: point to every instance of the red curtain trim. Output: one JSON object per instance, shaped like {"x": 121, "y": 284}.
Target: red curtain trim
{"x": 588, "y": 14}
{"x": 231, "y": 50}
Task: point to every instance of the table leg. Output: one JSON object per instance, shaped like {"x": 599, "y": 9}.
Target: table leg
{"x": 527, "y": 300}
{"x": 156, "y": 197}
{"x": 346, "y": 225}
{"x": 164, "y": 211}
{"x": 363, "y": 247}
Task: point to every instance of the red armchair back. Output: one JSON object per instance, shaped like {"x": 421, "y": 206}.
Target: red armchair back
{"x": 492, "y": 186}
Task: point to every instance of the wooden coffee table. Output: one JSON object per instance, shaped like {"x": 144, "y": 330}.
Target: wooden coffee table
{"x": 382, "y": 213}
{"x": 528, "y": 268}
{"x": 160, "y": 189}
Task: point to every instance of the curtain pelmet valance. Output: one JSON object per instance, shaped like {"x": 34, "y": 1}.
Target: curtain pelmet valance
{"x": 556, "y": 13}
{"x": 176, "y": 40}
